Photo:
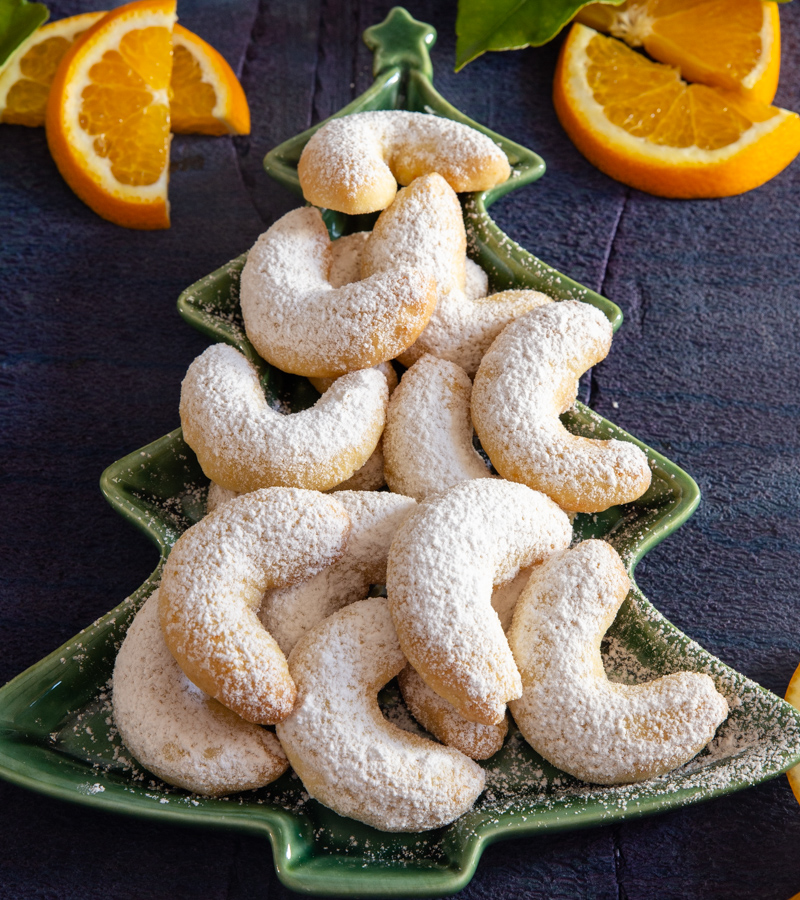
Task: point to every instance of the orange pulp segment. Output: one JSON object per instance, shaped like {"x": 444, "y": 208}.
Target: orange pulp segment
{"x": 732, "y": 44}
{"x": 207, "y": 97}
{"x": 25, "y": 82}
{"x": 107, "y": 120}
{"x": 638, "y": 122}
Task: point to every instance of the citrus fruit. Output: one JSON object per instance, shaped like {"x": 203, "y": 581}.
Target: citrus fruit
{"x": 732, "y": 44}
{"x": 638, "y": 122}
{"x": 206, "y": 95}
{"x": 107, "y": 120}
{"x": 25, "y": 82}
{"x": 793, "y": 697}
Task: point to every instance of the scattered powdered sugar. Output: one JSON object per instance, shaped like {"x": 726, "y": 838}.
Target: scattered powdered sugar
{"x": 300, "y": 323}
{"x": 427, "y": 442}
{"x": 526, "y": 380}
{"x": 346, "y": 753}
{"x": 243, "y": 444}
{"x": 443, "y": 564}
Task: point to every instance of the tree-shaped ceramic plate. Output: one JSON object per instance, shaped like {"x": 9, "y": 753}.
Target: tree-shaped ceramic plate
{"x": 55, "y": 735}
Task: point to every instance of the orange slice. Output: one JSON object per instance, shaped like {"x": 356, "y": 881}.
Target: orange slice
{"x": 25, "y": 82}
{"x": 638, "y": 122}
{"x": 732, "y": 44}
{"x": 793, "y": 697}
{"x": 206, "y": 95}
{"x": 107, "y": 118}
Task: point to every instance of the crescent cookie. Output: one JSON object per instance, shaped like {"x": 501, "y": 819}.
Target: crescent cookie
{"x": 288, "y": 613}
{"x": 299, "y": 322}
{"x": 243, "y": 444}
{"x": 215, "y": 578}
{"x": 526, "y": 380}
{"x": 427, "y": 443}
{"x": 348, "y": 755}
{"x": 570, "y": 712}
{"x": 353, "y": 164}
{"x": 422, "y": 229}
{"x": 464, "y": 324}
{"x": 176, "y": 730}
{"x": 441, "y": 718}
{"x": 444, "y": 561}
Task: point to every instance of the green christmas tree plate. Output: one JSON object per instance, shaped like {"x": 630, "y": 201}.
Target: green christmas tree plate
{"x": 56, "y": 731}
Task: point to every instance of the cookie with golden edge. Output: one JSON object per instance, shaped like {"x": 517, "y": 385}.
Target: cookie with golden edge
{"x": 441, "y": 718}
{"x": 214, "y": 581}
{"x": 289, "y": 613}
{"x": 443, "y": 564}
{"x": 424, "y": 228}
{"x": 570, "y": 713}
{"x": 176, "y": 730}
{"x": 299, "y": 322}
{"x": 526, "y": 380}
{"x": 348, "y": 755}
{"x": 243, "y": 444}
{"x": 353, "y": 164}
{"x": 427, "y": 443}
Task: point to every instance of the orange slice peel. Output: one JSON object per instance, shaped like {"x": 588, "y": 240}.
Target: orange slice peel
{"x": 207, "y": 97}
{"x": 793, "y": 697}
{"x": 107, "y": 120}
{"x": 638, "y": 122}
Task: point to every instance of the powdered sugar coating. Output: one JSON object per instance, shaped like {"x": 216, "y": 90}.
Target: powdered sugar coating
{"x": 443, "y": 563}
{"x": 526, "y": 380}
{"x": 427, "y": 442}
{"x": 353, "y": 164}
{"x": 300, "y": 323}
{"x": 570, "y": 712}
{"x": 441, "y": 718}
{"x": 349, "y": 756}
{"x": 288, "y": 613}
{"x": 212, "y": 586}
{"x": 243, "y": 444}
{"x": 463, "y": 327}
{"x": 176, "y": 730}
{"x": 444, "y": 721}
{"x": 423, "y": 229}
{"x": 346, "y": 254}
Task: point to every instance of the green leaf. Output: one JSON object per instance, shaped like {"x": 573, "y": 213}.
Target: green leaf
{"x": 18, "y": 21}
{"x": 483, "y": 25}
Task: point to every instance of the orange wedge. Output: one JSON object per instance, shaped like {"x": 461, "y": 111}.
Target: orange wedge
{"x": 793, "y": 697}
{"x": 206, "y": 95}
{"x": 107, "y": 120}
{"x": 25, "y": 82}
{"x": 732, "y": 44}
{"x": 638, "y": 122}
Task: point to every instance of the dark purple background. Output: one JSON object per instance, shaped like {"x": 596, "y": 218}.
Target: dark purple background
{"x": 704, "y": 370}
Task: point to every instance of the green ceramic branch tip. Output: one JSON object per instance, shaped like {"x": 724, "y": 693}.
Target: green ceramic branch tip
{"x": 400, "y": 41}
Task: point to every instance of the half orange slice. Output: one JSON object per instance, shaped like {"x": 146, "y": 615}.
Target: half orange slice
{"x": 638, "y": 122}
{"x": 108, "y": 119}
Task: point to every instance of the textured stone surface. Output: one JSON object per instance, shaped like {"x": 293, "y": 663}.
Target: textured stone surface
{"x": 704, "y": 369}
